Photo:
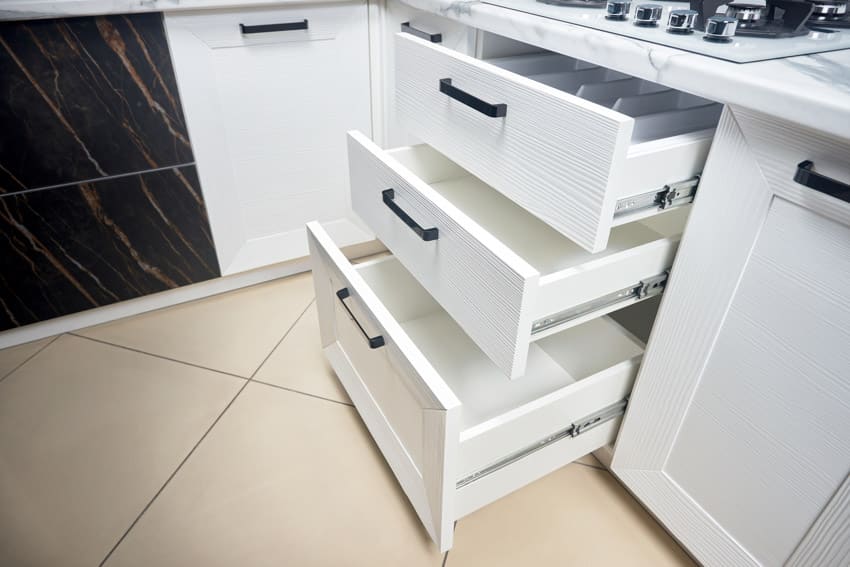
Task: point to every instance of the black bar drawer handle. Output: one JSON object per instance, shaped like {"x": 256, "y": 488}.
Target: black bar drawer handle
{"x": 807, "y": 176}
{"x": 265, "y": 28}
{"x": 426, "y": 234}
{"x": 432, "y": 37}
{"x": 492, "y": 110}
{"x": 374, "y": 342}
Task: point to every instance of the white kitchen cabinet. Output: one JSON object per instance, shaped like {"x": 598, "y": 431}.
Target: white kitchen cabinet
{"x": 449, "y": 33}
{"x": 736, "y": 436}
{"x": 267, "y": 109}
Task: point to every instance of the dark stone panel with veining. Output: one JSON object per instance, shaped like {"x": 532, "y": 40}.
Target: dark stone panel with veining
{"x": 83, "y": 98}
{"x": 68, "y": 249}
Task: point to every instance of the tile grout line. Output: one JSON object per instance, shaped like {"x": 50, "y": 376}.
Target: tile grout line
{"x": 172, "y": 475}
{"x": 346, "y": 404}
{"x": 201, "y": 440}
{"x": 294, "y": 391}
{"x": 159, "y": 356}
{"x": 33, "y": 355}
{"x": 277, "y": 344}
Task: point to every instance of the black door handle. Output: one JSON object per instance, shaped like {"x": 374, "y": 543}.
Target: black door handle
{"x": 374, "y": 342}
{"x": 426, "y": 234}
{"x": 432, "y": 37}
{"x": 265, "y": 28}
{"x": 492, "y": 110}
{"x": 807, "y": 176}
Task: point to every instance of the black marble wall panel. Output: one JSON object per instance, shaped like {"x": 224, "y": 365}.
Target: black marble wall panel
{"x": 83, "y": 98}
{"x": 69, "y": 249}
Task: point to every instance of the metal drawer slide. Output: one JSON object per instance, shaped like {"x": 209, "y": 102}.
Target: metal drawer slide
{"x": 643, "y": 289}
{"x": 575, "y": 429}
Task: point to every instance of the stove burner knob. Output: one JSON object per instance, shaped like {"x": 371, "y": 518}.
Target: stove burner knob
{"x": 648, "y": 14}
{"x": 618, "y": 9}
{"x": 720, "y": 29}
{"x": 825, "y": 10}
{"x": 681, "y": 21}
{"x": 746, "y": 14}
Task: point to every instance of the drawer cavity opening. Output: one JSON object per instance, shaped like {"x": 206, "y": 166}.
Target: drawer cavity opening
{"x": 542, "y": 247}
{"x": 585, "y": 371}
{"x": 658, "y": 111}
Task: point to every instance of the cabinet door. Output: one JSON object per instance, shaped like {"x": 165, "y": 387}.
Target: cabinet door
{"x": 736, "y": 436}
{"x": 453, "y": 35}
{"x": 267, "y": 110}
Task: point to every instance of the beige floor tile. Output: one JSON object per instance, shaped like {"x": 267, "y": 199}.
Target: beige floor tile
{"x": 298, "y": 362}
{"x": 232, "y": 332}
{"x": 282, "y": 479}
{"x": 12, "y": 357}
{"x": 88, "y": 433}
{"x": 575, "y": 516}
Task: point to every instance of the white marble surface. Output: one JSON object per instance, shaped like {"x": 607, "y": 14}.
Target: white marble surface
{"x": 742, "y": 48}
{"x": 811, "y": 90}
{"x": 38, "y": 9}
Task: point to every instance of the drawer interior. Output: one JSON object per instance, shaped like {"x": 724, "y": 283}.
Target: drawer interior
{"x": 554, "y": 363}
{"x": 659, "y": 112}
{"x": 545, "y": 249}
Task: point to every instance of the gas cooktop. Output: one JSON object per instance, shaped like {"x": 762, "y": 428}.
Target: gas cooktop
{"x": 740, "y": 31}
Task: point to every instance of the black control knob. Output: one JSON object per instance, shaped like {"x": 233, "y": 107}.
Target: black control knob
{"x": 682, "y": 21}
{"x": 720, "y": 29}
{"x": 648, "y": 14}
{"x": 617, "y": 9}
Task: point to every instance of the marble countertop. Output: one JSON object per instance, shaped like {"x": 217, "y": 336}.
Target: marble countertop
{"x": 40, "y": 9}
{"x": 811, "y": 90}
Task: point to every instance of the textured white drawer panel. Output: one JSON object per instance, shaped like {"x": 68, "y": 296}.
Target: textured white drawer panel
{"x": 455, "y": 435}
{"x": 577, "y": 144}
{"x": 503, "y": 275}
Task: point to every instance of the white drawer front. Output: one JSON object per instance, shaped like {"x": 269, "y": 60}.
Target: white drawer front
{"x": 455, "y": 435}
{"x": 557, "y": 151}
{"x": 476, "y": 279}
{"x": 410, "y": 413}
{"x": 546, "y": 140}
{"x": 505, "y": 276}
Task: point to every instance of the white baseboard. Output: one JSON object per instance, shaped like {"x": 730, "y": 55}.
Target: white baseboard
{"x": 168, "y": 298}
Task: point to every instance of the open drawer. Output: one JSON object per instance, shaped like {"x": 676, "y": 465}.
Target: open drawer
{"x": 455, "y": 436}
{"x": 505, "y": 276}
{"x": 581, "y": 147}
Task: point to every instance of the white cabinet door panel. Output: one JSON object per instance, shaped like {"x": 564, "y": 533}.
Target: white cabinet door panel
{"x": 736, "y": 436}
{"x": 267, "y": 114}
